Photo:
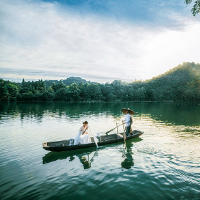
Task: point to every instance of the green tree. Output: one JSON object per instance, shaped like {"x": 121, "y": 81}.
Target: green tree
{"x": 108, "y": 92}
{"x": 47, "y": 96}
{"x": 196, "y": 7}
{"x": 118, "y": 89}
{"x": 74, "y": 92}
{"x": 12, "y": 90}
{"x": 63, "y": 94}
{"x": 140, "y": 94}
{"x": 29, "y": 96}
{"x": 94, "y": 91}
{"x": 8, "y": 90}
{"x": 58, "y": 86}
{"x": 3, "y": 90}
{"x": 83, "y": 91}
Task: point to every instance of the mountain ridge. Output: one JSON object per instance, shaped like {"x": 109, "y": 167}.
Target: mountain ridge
{"x": 192, "y": 68}
{"x": 179, "y": 83}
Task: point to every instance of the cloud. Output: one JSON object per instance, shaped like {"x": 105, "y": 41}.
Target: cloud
{"x": 42, "y": 40}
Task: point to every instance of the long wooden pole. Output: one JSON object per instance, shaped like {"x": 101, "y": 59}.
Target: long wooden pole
{"x": 93, "y": 138}
{"x": 124, "y": 137}
{"x": 124, "y": 134}
{"x": 112, "y": 129}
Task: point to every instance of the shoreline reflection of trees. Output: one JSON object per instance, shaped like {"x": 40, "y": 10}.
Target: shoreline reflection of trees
{"x": 175, "y": 113}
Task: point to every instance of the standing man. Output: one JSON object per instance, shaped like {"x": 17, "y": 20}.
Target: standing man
{"x": 128, "y": 120}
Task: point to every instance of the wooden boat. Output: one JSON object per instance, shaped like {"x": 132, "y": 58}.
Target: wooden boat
{"x": 66, "y": 145}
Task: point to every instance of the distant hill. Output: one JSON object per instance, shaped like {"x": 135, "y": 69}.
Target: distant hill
{"x": 187, "y": 73}
{"x": 178, "y": 83}
{"x": 186, "y": 70}
{"x": 67, "y": 81}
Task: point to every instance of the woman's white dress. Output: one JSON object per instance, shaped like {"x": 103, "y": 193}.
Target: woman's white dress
{"x": 77, "y": 139}
{"x": 85, "y": 139}
{"x": 82, "y": 139}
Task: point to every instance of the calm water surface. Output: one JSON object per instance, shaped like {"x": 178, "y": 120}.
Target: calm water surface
{"x": 164, "y": 163}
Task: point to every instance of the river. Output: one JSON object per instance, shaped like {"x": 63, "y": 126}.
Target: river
{"x": 163, "y": 163}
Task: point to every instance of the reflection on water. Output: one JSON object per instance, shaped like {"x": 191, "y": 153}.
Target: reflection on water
{"x": 171, "y": 113}
{"x": 87, "y": 156}
{"x": 87, "y": 159}
{"x": 127, "y": 155}
{"x": 53, "y": 156}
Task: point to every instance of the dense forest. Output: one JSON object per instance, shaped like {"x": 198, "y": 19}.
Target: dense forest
{"x": 180, "y": 83}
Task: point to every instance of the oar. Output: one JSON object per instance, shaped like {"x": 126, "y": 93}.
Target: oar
{"x": 94, "y": 138}
{"x": 124, "y": 137}
{"x": 124, "y": 133}
{"x": 112, "y": 129}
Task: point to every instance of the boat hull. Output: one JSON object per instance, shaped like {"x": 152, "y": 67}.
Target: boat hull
{"x": 104, "y": 140}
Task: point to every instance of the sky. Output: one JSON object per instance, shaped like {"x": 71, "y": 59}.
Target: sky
{"x": 98, "y": 40}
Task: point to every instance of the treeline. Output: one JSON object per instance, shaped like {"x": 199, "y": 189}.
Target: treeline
{"x": 180, "y": 83}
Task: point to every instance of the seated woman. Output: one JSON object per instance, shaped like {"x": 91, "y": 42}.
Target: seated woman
{"x": 82, "y": 137}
